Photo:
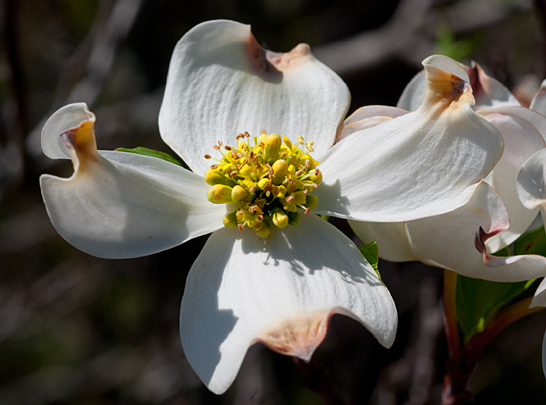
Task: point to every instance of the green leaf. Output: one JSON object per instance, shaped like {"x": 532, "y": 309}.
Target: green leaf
{"x": 533, "y": 242}
{"x": 478, "y": 301}
{"x": 371, "y": 254}
{"x": 140, "y": 150}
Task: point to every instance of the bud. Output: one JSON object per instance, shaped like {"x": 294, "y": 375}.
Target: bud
{"x": 299, "y": 198}
{"x": 311, "y": 201}
{"x": 212, "y": 177}
{"x": 240, "y": 193}
{"x": 219, "y": 194}
{"x": 265, "y": 230}
{"x": 263, "y": 183}
{"x": 294, "y": 218}
{"x": 230, "y": 220}
{"x": 272, "y": 144}
{"x": 280, "y": 169}
{"x": 316, "y": 178}
{"x": 279, "y": 217}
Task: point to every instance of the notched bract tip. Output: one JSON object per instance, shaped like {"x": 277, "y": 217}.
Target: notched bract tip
{"x": 298, "y": 336}
{"x": 447, "y": 82}
{"x": 81, "y": 142}
{"x": 269, "y": 62}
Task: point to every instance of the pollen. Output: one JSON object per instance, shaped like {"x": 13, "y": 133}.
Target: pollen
{"x": 265, "y": 179}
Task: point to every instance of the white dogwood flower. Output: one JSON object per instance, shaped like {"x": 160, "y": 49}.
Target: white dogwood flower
{"x": 280, "y": 282}
{"x": 494, "y": 217}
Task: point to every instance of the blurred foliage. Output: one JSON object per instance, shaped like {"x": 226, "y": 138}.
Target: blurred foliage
{"x": 460, "y": 50}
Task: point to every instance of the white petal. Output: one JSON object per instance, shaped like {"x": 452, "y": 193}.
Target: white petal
{"x": 521, "y": 140}
{"x": 280, "y": 291}
{"x": 120, "y": 205}
{"x": 391, "y": 238}
{"x": 539, "y": 299}
{"x": 221, "y": 83}
{"x": 539, "y": 101}
{"x": 420, "y": 164}
{"x": 413, "y": 93}
{"x": 68, "y": 117}
{"x": 374, "y": 111}
{"x": 452, "y": 241}
{"x": 367, "y": 117}
{"x": 446, "y": 64}
{"x": 361, "y": 125}
{"x": 531, "y": 182}
{"x": 489, "y": 92}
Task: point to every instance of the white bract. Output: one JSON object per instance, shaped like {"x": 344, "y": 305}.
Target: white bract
{"x": 280, "y": 282}
{"x": 463, "y": 239}
{"x": 531, "y": 189}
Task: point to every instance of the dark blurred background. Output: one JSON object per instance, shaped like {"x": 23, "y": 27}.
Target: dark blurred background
{"x": 75, "y": 329}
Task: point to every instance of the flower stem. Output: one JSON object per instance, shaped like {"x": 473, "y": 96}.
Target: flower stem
{"x": 450, "y": 316}
{"x": 454, "y": 390}
{"x": 462, "y": 362}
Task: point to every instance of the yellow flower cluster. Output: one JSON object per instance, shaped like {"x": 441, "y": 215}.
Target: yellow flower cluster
{"x": 266, "y": 183}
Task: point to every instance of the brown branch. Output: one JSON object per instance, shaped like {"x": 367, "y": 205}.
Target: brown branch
{"x": 106, "y": 38}
{"x": 12, "y": 153}
{"x": 410, "y": 34}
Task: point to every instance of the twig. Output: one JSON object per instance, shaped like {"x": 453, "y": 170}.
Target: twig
{"x": 12, "y": 167}
{"x": 410, "y": 34}
{"x": 106, "y": 39}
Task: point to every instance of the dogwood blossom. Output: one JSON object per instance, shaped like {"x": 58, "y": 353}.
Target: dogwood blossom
{"x": 463, "y": 239}
{"x": 230, "y": 102}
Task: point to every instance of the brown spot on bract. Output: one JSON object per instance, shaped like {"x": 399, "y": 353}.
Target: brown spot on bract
{"x": 256, "y": 54}
{"x": 298, "y": 336}
{"x": 285, "y": 61}
{"x": 446, "y": 91}
{"x": 274, "y": 62}
{"x": 81, "y": 142}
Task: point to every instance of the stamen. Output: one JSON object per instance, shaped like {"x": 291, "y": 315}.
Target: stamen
{"x": 207, "y": 156}
{"x": 290, "y": 199}
{"x": 241, "y": 227}
{"x": 216, "y": 147}
{"x": 263, "y": 132}
{"x": 299, "y": 172}
{"x": 307, "y": 210}
{"x": 227, "y": 147}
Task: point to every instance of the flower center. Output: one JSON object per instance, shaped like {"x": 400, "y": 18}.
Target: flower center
{"x": 266, "y": 183}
